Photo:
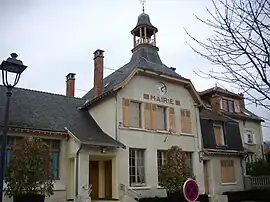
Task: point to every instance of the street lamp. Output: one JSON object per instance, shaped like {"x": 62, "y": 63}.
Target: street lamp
{"x": 10, "y": 68}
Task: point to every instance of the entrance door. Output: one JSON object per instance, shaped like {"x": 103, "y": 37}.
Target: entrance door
{"x": 94, "y": 178}
{"x": 206, "y": 176}
{"x": 108, "y": 179}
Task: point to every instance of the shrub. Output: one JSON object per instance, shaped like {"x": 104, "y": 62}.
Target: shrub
{"x": 30, "y": 170}
{"x": 176, "y": 171}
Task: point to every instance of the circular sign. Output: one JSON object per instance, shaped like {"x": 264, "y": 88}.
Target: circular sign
{"x": 191, "y": 190}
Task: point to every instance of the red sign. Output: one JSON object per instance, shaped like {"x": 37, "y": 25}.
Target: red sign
{"x": 191, "y": 190}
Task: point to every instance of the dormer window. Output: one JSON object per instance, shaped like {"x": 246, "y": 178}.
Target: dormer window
{"x": 219, "y": 134}
{"x": 228, "y": 105}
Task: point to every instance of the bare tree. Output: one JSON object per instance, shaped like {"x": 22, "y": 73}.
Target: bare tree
{"x": 239, "y": 46}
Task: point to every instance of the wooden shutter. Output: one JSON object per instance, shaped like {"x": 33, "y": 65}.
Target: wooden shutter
{"x": 231, "y": 171}
{"x": 183, "y": 120}
{"x": 126, "y": 112}
{"x": 217, "y": 132}
{"x": 153, "y": 116}
{"x": 172, "y": 119}
{"x": 188, "y": 122}
{"x": 147, "y": 115}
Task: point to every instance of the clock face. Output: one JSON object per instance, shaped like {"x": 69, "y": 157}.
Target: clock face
{"x": 162, "y": 88}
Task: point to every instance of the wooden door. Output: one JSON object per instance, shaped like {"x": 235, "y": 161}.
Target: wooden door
{"x": 94, "y": 178}
{"x": 108, "y": 179}
{"x": 206, "y": 176}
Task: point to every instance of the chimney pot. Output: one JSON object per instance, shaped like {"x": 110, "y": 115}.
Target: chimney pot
{"x": 70, "y": 85}
{"x": 98, "y": 71}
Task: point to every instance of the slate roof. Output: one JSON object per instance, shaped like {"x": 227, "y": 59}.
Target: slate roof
{"x": 51, "y": 112}
{"x": 145, "y": 57}
{"x": 230, "y": 127}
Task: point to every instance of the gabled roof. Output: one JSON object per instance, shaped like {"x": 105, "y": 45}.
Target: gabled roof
{"x": 51, "y": 112}
{"x": 145, "y": 57}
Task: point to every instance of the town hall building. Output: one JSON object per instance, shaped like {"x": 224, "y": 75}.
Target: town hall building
{"x": 110, "y": 143}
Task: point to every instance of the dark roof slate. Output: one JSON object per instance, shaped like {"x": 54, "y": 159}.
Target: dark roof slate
{"x": 231, "y": 132}
{"x": 145, "y": 56}
{"x": 51, "y": 112}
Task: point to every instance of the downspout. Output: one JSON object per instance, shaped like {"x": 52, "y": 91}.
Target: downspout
{"x": 116, "y": 118}
{"x": 77, "y": 172}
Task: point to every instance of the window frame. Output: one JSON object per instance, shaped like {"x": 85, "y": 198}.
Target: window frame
{"x": 226, "y": 105}
{"x": 136, "y": 183}
{"x": 163, "y": 160}
{"x": 139, "y": 115}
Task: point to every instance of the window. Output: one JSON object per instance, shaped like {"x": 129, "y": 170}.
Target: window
{"x": 189, "y": 161}
{"x": 228, "y": 105}
{"x": 249, "y": 137}
{"x": 135, "y": 114}
{"x": 161, "y": 160}
{"x": 219, "y": 134}
{"x": 131, "y": 113}
{"x": 136, "y": 167}
{"x": 227, "y": 171}
{"x": 185, "y": 121}
{"x": 161, "y": 118}
{"x": 155, "y": 117}
{"x": 55, "y": 149}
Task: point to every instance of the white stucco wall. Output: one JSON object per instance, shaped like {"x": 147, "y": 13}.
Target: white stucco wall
{"x": 216, "y": 187}
{"x": 105, "y": 114}
{"x": 255, "y": 127}
{"x": 153, "y": 141}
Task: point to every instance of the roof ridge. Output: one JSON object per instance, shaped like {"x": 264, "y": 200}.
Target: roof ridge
{"x": 44, "y": 92}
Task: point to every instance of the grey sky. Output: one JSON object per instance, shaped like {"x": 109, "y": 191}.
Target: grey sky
{"x": 55, "y": 38}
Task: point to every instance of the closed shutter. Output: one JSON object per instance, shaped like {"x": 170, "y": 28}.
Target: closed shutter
{"x": 172, "y": 119}
{"x": 126, "y": 112}
{"x": 183, "y": 120}
{"x": 237, "y": 106}
{"x": 154, "y": 116}
{"x": 208, "y": 135}
{"x": 147, "y": 115}
{"x": 188, "y": 122}
{"x": 217, "y": 131}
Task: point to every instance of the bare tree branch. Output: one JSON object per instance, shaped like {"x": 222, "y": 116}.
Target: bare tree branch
{"x": 239, "y": 47}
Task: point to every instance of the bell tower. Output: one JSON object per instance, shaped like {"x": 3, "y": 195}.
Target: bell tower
{"x": 144, "y": 32}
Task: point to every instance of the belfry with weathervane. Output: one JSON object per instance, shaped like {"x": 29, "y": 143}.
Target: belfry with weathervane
{"x": 144, "y": 32}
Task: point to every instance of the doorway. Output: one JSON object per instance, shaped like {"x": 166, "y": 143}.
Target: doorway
{"x": 108, "y": 179}
{"x": 94, "y": 178}
{"x": 206, "y": 176}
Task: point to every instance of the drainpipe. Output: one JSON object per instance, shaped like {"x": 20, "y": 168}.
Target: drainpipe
{"x": 116, "y": 119}
{"x": 77, "y": 172}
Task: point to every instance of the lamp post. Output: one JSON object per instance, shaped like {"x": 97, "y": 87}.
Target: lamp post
{"x": 11, "y": 70}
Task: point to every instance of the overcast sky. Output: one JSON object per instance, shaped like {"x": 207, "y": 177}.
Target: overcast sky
{"x": 56, "y": 37}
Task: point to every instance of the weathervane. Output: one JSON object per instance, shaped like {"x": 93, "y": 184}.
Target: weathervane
{"x": 143, "y": 2}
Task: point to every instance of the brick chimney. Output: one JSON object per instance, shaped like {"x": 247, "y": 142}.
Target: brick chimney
{"x": 98, "y": 71}
{"x": 70, "y": 90}
{"x": 215, "y": 102}
{"x": 242, "y": 101}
